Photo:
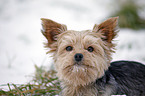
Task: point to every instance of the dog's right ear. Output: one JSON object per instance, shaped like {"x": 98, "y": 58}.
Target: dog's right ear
{"x": 51, "y": 29}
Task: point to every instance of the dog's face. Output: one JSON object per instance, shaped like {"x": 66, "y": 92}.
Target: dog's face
{"x": 80, "y": 57}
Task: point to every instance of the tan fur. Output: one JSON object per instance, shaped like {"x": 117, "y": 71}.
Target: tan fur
{"x": 77, "y": 79}
{"x": 88, "y": 90}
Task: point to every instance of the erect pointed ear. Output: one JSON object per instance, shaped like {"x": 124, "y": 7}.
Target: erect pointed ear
{"x": 51, "y": 29}
{"x": 108, "y": 29}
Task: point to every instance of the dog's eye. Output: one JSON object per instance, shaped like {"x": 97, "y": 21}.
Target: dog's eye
{"x": 69, "y": 48}
{"x": 90, "y": 49}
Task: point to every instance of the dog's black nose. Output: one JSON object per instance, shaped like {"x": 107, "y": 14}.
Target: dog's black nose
{"x": 78, "y": 57}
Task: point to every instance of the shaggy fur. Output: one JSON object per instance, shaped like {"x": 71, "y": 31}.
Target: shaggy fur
{"x": 93, "y": 75}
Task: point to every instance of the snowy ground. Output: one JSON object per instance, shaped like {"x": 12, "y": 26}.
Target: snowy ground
{"x": 21, "y": 42}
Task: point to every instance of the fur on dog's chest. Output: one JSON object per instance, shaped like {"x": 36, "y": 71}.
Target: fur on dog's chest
{"x": 88, "y": 90}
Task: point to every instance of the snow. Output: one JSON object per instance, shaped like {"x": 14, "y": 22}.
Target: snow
{"x": 130, "y": 45}
{"x": 21, "y": 41}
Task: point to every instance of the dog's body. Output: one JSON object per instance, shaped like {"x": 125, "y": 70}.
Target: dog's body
{"x": 122, "y": 77}
{"x": 82, "y": 60}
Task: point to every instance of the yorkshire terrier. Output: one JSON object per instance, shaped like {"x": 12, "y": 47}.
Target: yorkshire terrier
{"x": 82, "y": 61}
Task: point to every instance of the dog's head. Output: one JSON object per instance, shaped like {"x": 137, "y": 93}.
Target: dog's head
{"x": 80, "y": 57}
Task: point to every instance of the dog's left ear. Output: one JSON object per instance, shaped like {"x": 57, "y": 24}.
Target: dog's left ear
{"x": 51, "y": 29}
{"x": 108, "y": 29}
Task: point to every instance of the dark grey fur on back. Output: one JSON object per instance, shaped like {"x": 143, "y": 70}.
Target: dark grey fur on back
{"x": 124, "y": 77}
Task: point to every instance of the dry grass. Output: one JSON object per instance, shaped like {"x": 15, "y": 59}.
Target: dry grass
{"x": 44, "y": 83}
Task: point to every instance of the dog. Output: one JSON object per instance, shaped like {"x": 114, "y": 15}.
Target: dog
{"x": 82, "y": 61}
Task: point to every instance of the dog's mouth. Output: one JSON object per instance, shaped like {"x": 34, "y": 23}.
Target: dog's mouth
{"x": 78, "y": 65}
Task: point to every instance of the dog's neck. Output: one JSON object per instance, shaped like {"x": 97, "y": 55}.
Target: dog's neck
{"x": 101, "y": 87}
{"x": 86, "y": 90}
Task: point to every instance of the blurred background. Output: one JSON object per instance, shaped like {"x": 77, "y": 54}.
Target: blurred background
{"x": 21, "y": 41}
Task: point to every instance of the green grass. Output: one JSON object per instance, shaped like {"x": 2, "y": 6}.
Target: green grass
{"x": 129, "y": 17}
{"x": 44, "y": 83}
